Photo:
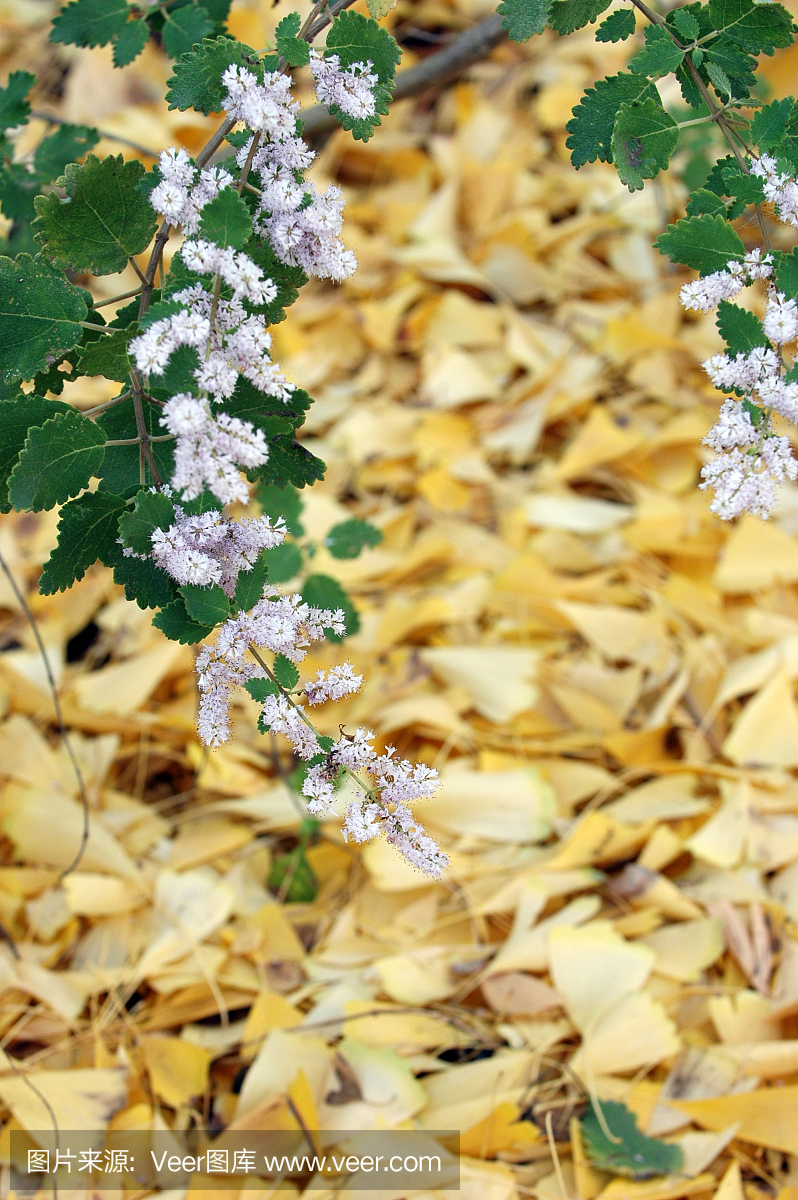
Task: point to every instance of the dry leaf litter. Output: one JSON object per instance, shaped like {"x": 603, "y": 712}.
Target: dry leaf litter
{"x": 602, "y": 671}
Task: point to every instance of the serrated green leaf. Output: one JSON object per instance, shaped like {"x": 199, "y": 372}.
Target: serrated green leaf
{"x": 284, "y": 562}
{"x": 14, "y": 107}
{"x": 295, "y": 50}
{"x": 720, "y": 80}
{"x": 184, "y": 28}
{"x": 704, "y": 201}
{"x": 66, "y": 145}
{"x": 786, "y": 271}
{"x": 89, "y": 22}
{"x": 636, "y": 1155}
{"x": 522, "y": 19}
{"x": 40, "y": 315}
{"x": 259, "y": 689}
{"x": 289, "y": 462}
{"x": 120, "y": 473}
{"x": 250, "y": 585}
{"x": 321, "y": 591}
{"x": 660, "y": 56}
{"x": 87, "y": 531}
{"x": 566, "y": 16}
{"x": 755, "y": 414}
{"x": 197, "y": 79}
{"x": 18, "y": 190}
{"x": 130, "y": 41}
{"x": 758, "y": 28}
{"x": 178, "y": 626}
{"x": 206, "y": 605}
{"x": 590, "y": 128}
{"x": 705, "y": 243}
{"x": 347, "y": 539}
{"x": 106, "y": 355}
{"x": 103, "y": 221}
{"x": 288, "y": 280}
{"x": 355, "y": 38}
{"x": 145, "y": 583}
{"x": 737, "y": 66}
{"x": 151, "y": 511}
{"x": 285, "y": 502}
{"x": 57, "y": 461}
{"x": 285, "y": 672}
{"x": 643, "y": 140}
{"x": 740, "y": 329}
{"x": 17, "y": 416}
{"x": 225, "y": 220}
{"x": 618, "y": 26}
{"x": 686, "y": 24}
{"x": 769, "y": 124}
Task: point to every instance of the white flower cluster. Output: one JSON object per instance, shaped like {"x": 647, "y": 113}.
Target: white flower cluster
{"x": 212, "y": 548}
{"x": 210, "y": 449}
{"x": 282, "y": 624}
{"x": 333, "y": 684}
{"x": 781, "y": 190}
{"x": 351, "y": 89}
{"x": 381, "y": 808}
{"x": 701, "y": 295}
{"x": 181, "y": 195}
{"x": 302, "y": 224}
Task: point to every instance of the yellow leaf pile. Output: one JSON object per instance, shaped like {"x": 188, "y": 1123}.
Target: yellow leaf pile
{"x": 602, "y": 671}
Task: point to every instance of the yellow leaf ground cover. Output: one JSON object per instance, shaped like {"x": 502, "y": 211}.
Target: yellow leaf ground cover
{"x": 603, "y": 673}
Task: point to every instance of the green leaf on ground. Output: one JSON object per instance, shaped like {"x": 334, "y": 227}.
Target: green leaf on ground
{"x": 102, "y": 222}
{"x": 40, "y": 315}
{"x": 57, "y": 461}
{"x": 636, "y": 1155}
{"x": 87, "y": 531}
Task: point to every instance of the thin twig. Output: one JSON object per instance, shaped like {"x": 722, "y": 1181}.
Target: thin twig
{"x": 104, "y": 133}
{"x": 84, "y": 799}
{"x": 98, "y": 408}
{"x": 121, "y": 296}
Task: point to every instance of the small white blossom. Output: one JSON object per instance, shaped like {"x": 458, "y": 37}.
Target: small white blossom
{"x": 334, "y": 684}
{"x": 351, "y": 89}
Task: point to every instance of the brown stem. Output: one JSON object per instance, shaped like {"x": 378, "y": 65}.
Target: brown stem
{"x": 141, "y": 429}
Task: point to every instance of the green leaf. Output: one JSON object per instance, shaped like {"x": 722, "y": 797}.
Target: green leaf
{"x": 40, "y": 315}
{"x": 618, "y": 26}
{"x": 686, "y": 24}
{"x": 103, "y": 220}
{"x": 250, "y": 585}
{"x": 89, "y": 22}
{"x": 755, "y": 414}
{"x": 295, "y": 50}
{"x": 769, "y": 124}
{"x": 704, "y": 201}
{"x": 17, "y": 416}
{"x": 787, "y": 274}
{"x": 285, "y": 672}
{"x": 738, "y": 69}
{"x": 720, "y": 80}
{"x": 183, "y": 28}
{"x": 207, "y": 605}
{"x": 758, "y": 28}
{"x": 704, "y": 243}
{"x": 87, "y": 531}
{"x": 522, "y": 19}
{"x": 285, "y": 502}
{"x": 66, "y": 145}
{"x": 355, "y": 38}
{"x": 226, "y": 221}
{"x": 643, "y": 140}
{"x": 174, "y": 621}
{"x": 130, "y": 41}
{"x": 591, "y": 126}
{"x": 120, "y": 473}
{"x": 636, "y": 1155}
{"x": 284, "y": 562}
{"x": 197, "y": 79}
{"x": 291, "y": 876}
{"x": 259, "y": 689}
{"x": 321, "y": 591}
{"x": 290, "y": 463}
{"x": 347, "y": 539}
{"x": 740, "y": 329}
{"x": 152, "y": 510}
{"x": 14, "y": 107}
{"x": 568, "y": 15}
{"x": 57, "y": 461}
{"x": 145, "y": 583}
{"x": 106, "y": 355}
{"x": 18, "y": 190}
{"x": 660, "y": 55}
{"x": 726, "y": 179}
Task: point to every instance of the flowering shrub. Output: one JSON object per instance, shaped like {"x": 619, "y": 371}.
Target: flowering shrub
{"x": 204, "y": 414}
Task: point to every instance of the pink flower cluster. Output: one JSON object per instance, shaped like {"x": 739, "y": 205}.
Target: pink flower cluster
{"x": 212, "y": 548}
{"x": 351, "y": 89}
{"x": 184, "y": 190}
{"x": 210, "y": 449}
{"x": 780, "y": 189}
